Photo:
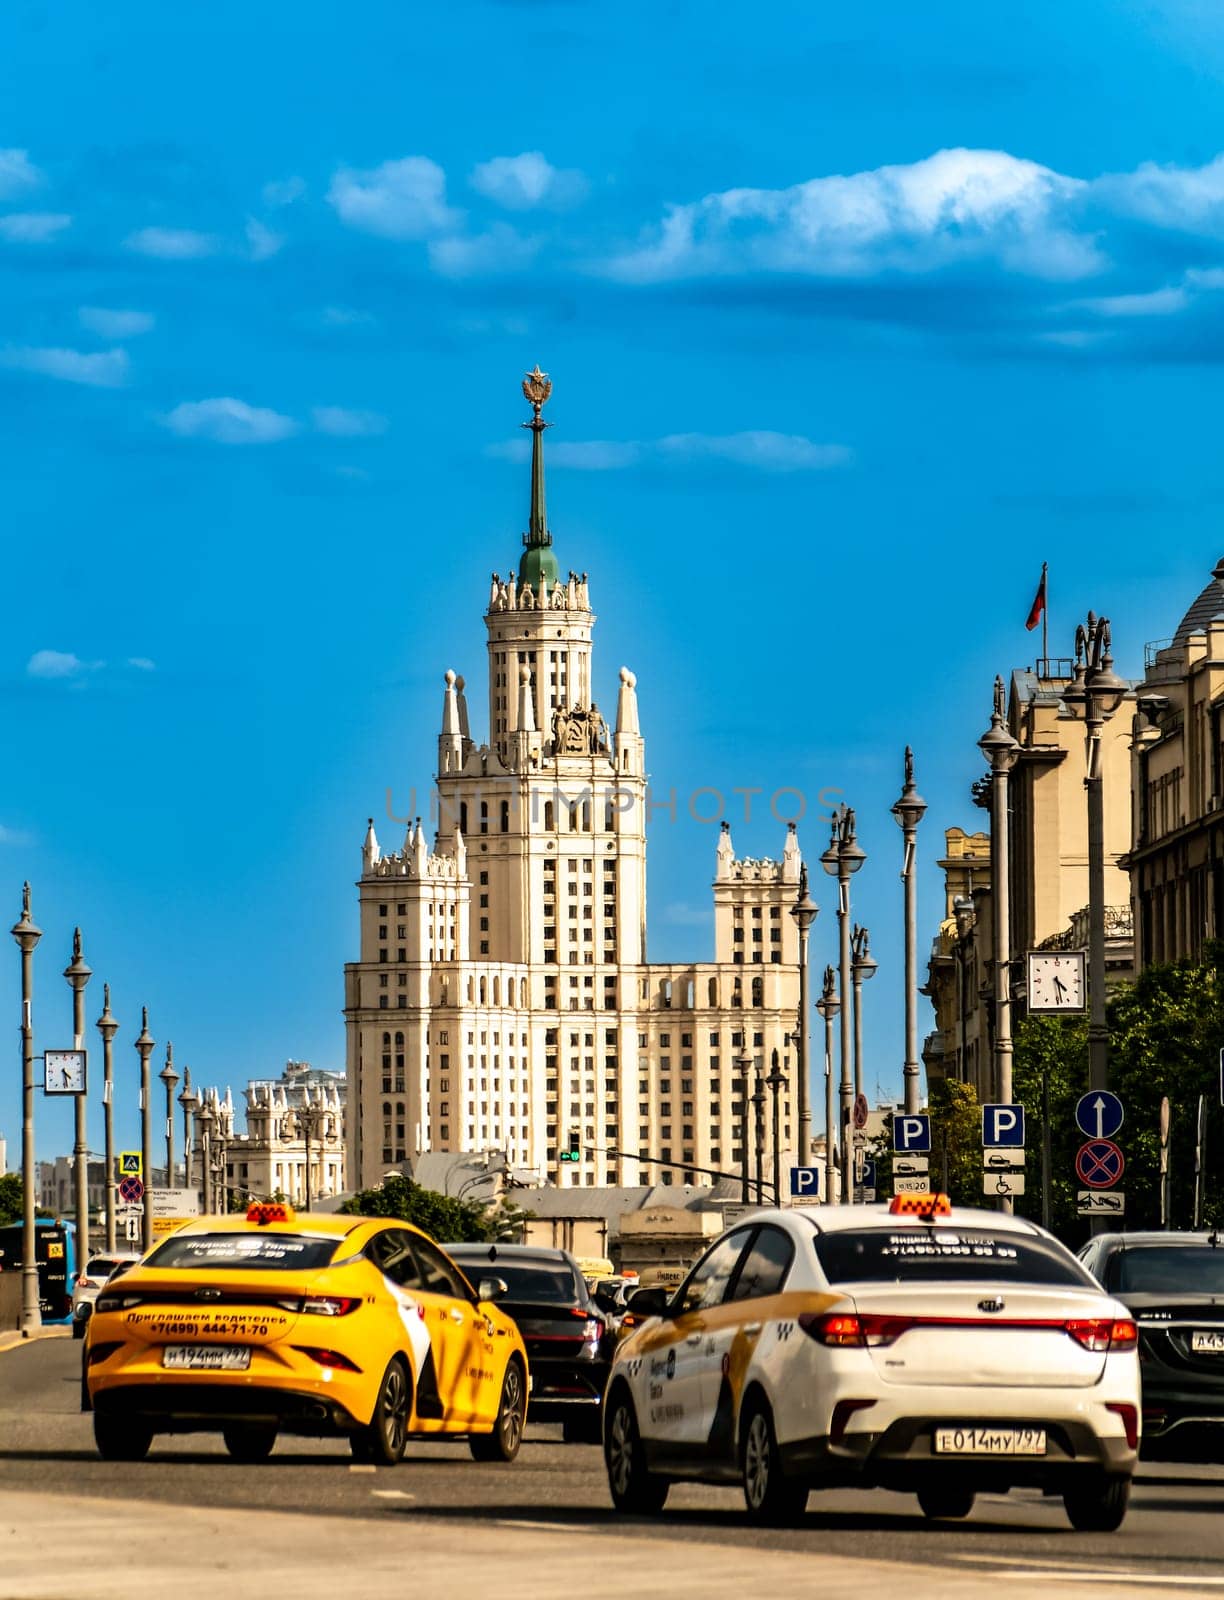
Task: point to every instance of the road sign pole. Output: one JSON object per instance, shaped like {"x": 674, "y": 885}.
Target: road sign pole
{"x": 1166, "y": 1117}
{"x": 1045, "y": 1148}
{"x": 1200, "y": 1151}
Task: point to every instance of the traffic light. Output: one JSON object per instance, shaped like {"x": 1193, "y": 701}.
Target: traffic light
{"x": 574, "y": 1153}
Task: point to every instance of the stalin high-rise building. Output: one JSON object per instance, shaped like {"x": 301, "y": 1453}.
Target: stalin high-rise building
{"x": 503, "y": 1000}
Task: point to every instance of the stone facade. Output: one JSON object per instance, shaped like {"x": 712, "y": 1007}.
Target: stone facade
{"x": 502, "y": 999}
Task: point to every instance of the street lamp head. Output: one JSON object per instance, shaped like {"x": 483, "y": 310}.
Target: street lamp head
{"x": 852, "y": 854}
{"x": 25, "y": 931}
{"x": 744, "y": 1062}
{"x": 167, "y": 1074}
{"x": 829, "y": 858}
{"x": 78, "y": 973}
{"x": 805, "y": 908}
{"x": 910, "y": 809}
{"x": 829, "y": 1005}
{"x": 106, "y": 1024}
{"x": 997, "y": 744}
{"x": 863, "y": 964}
{"x": 144, "y": 1041}
{"x": 187, "y": 1098}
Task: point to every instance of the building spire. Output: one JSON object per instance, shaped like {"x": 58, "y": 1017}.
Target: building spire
{"x": 538, "y": 565}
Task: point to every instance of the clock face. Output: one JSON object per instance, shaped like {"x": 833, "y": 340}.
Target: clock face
{"x": 1056, "y": 980}
{"x": 64, "y": 1072}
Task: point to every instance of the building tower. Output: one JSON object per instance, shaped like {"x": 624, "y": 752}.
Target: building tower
{"x": 502, "y": 999}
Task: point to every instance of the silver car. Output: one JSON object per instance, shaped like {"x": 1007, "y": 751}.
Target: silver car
{"x": 85, "y": 1285}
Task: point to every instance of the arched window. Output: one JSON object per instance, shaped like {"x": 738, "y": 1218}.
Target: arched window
{"x": 758, "y": 991}
{"x": 484, "y": 992}
{"x": 484, "y": 816}
{"x": 505, "y": 816}
{"x": 497, "y": 991}
{"x": 471, "y": 991}
{"x": 665, "y": 994}
{"x": 713, "y": 992}
{"x": 586, "y": 816}
{"x": 573, "y": 816}
{"x": 399, "y": 1041}
{"x": 386, "y": 1041}
{"x": 463, "y": 827}
{"x": 550, "y": 815}
{"x": 609, "y": 817}
{"x": 523, "y": 998}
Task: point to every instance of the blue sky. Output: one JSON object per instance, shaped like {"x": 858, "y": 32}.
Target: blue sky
{"x": 855, "y": 316}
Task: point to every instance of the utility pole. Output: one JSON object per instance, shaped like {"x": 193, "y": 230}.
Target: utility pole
{"x": 27, "y": 935}
{"x": 78, "y": 974}
{"x": 108, "y": 1028}
{"x": 144, "y": 1046}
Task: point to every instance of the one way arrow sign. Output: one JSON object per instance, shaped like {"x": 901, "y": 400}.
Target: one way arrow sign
{"x": 1099, "y": 1114}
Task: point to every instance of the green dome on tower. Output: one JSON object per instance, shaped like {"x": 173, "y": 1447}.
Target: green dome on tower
{"x": 537, "y": 564}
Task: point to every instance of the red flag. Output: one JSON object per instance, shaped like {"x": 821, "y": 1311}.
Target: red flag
{"x": 1037, "y": 609}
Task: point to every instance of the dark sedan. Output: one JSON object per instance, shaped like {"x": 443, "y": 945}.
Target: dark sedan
{"x": 569, "y": 1342}
{"x": 1174, "y": 1285}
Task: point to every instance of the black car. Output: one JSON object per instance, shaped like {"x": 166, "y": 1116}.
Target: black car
{"x": 1174, "y": 1285}
{"x": 569, "y": 1341}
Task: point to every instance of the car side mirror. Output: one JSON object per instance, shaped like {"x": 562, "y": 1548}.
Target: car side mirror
{"x": 648, "y": 1302}
{"x": 491, "y": 1289}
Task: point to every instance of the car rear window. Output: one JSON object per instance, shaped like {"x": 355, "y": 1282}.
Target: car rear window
{"x": 263, "y": 1252}
{"x": 1166, "y": 1269}
{"x": 535, "y": 1285}
{"x": 101, "y": 1266}
{"x": 944, "y": 1255}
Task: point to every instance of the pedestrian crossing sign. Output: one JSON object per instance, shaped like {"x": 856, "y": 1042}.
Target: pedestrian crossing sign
{"x": 130, "y": 1164}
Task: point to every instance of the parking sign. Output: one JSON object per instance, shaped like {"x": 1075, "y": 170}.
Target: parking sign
{"x": 1002, "y": 1127}
{"x": 911, "y": 1132}
{"x": 805, "y": 1183}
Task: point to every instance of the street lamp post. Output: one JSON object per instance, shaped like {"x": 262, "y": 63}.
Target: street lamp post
{"x": 744, "y": 1062}
{"x": 188, "y": 1102}
{"x": 169, "y": 1077}
{"x": 828, "y": 1005}
{"x": 78, "y": 974}
{"x": 776, "y": 1082}
{"x": 1001, "y": 752}
{"x": 804, "y": 912}
{"x": 144, "y": 1045}
{"x": 841, "y": 860}
{"x": 311, "y": 1121}
{"x": 909, "y": 811}
{"x": 758, "y": 1106}
{"x": 862, "y": 967}
{"x": 1094, "y": 694}
{"x": 205, "y": 1117}
{"x": 27, "y": 935}
{"x": 108, "y": 1028}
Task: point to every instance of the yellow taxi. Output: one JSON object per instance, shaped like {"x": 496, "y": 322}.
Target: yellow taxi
{"x": 321, "y": 1325}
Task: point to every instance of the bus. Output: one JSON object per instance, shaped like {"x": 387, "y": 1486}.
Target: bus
{"x": 55, "y": 1253}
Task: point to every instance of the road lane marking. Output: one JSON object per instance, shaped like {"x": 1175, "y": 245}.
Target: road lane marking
{"x": 392, "y": 1494}
{"x": 1166, "y": 1580}
{"x": 362, "y": 1469}
{"x": 539, "y": 1527}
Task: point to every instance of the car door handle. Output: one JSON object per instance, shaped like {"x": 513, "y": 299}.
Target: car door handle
{"x": 456, "y": 1316}
{"x": 752, "y": 1327}
{"x": 693, "y": 1338}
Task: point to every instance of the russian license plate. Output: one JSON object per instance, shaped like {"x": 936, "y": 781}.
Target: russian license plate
{"x": 1207, "y": 1341}
{"x": 207, "y": 1357}
{"x": 990, "y": 1441}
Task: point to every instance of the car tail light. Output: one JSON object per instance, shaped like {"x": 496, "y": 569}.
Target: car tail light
{"x": 118, "y": 1302}
{"x": 1103, "y": 1333}
{"x": 1130, "y": 1420}
{"x": 328, "y": 1358}
{"x": 82, "y": 1282}
{"x": 842, "y": 1329}
{"x": 329, "y": 1305}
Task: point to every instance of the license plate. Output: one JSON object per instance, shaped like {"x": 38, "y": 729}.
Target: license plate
{"x": 207, "y": 1357}
{"x": 1207, "y": 1341}
{"x": 990, "y": 1441}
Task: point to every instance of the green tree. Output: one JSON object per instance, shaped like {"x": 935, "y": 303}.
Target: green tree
{"x": 956, "y": 1145}
{"x": 10, "y": 1198}
{"x": 444, "y": 1218}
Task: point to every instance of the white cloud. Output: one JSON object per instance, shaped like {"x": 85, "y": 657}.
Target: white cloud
{"x": 772, "y": 452}
{"x": 101, "y": 369}
{"x": 171, "y": 244}
{"x": 283, "y": 191}
{"x": 229, "y": 421}
{"x": 114, "y": 324}
{"x": 954, "y": 206}
{"x": 142, "y": 663}
{"x": 347, "y": 317}
{"x": 17, "y": 173}
{"x": 33, "y": 227}
{"x": 1190, "y": 198}
{"x": 1154, "y": 303}
{"x": 501, "y": 249}
{"x": 769, "y": 452}
{"x": 262, "y": 243}
{"x": 403, "y": 199}
{"x": 59, "y": 665}
{"x": 521, "y": 183}
{"x": 345, "y": 424}
{"x": 13, "y": 836}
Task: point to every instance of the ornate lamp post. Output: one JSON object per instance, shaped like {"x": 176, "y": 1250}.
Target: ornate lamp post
{"x": 841, "y": 860}
{"x": 1002, "y": 753}
{"x": 804, "y": 912}
{"x": 829, "y": 1005}
{"x": 310, "y": 1120}
{"x": 909, "y": 811}
{"x": 776, "y": 1082}
{"x": 144, "y": 1045}
{"x": 27, "y": 935}
{"x": 1094, "y": 694}
{"x": 205, "y": 1118}
{"x": 744, "y": 1062}
{"x": 188, "y": 1101}
{"x": 108, "y": 1028}
{"x": 78, "y": 974}
{"x": 758, "y": 1106}
{"x": 169, "y": 1077}
{"x": 862, "y": 967}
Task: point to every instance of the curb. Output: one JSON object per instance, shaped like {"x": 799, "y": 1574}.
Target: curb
{"x": 13, "y": 1339}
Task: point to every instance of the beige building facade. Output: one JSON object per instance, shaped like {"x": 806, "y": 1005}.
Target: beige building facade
{"x": 502, "y": 998}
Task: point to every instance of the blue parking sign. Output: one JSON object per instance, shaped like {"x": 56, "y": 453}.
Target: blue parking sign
{"x": 1003, "y": 1127}
{"x": 805, "y": 1183}
{"x": 911, "y": 1132}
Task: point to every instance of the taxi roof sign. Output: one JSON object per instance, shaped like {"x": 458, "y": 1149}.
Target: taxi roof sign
{"x": 265, "y": 1211}
{"x": 927, "y": 1206}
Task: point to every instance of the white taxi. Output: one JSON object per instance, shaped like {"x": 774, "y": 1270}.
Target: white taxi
{"x": 909, "y": 1346}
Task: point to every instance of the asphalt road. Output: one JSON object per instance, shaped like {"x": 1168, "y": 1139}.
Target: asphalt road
{"x": 1172, "y": 1538}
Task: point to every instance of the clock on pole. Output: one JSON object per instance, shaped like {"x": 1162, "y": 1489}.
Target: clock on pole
{"x": 1056, "y": 980}
{"x": 64, "y": 1072}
